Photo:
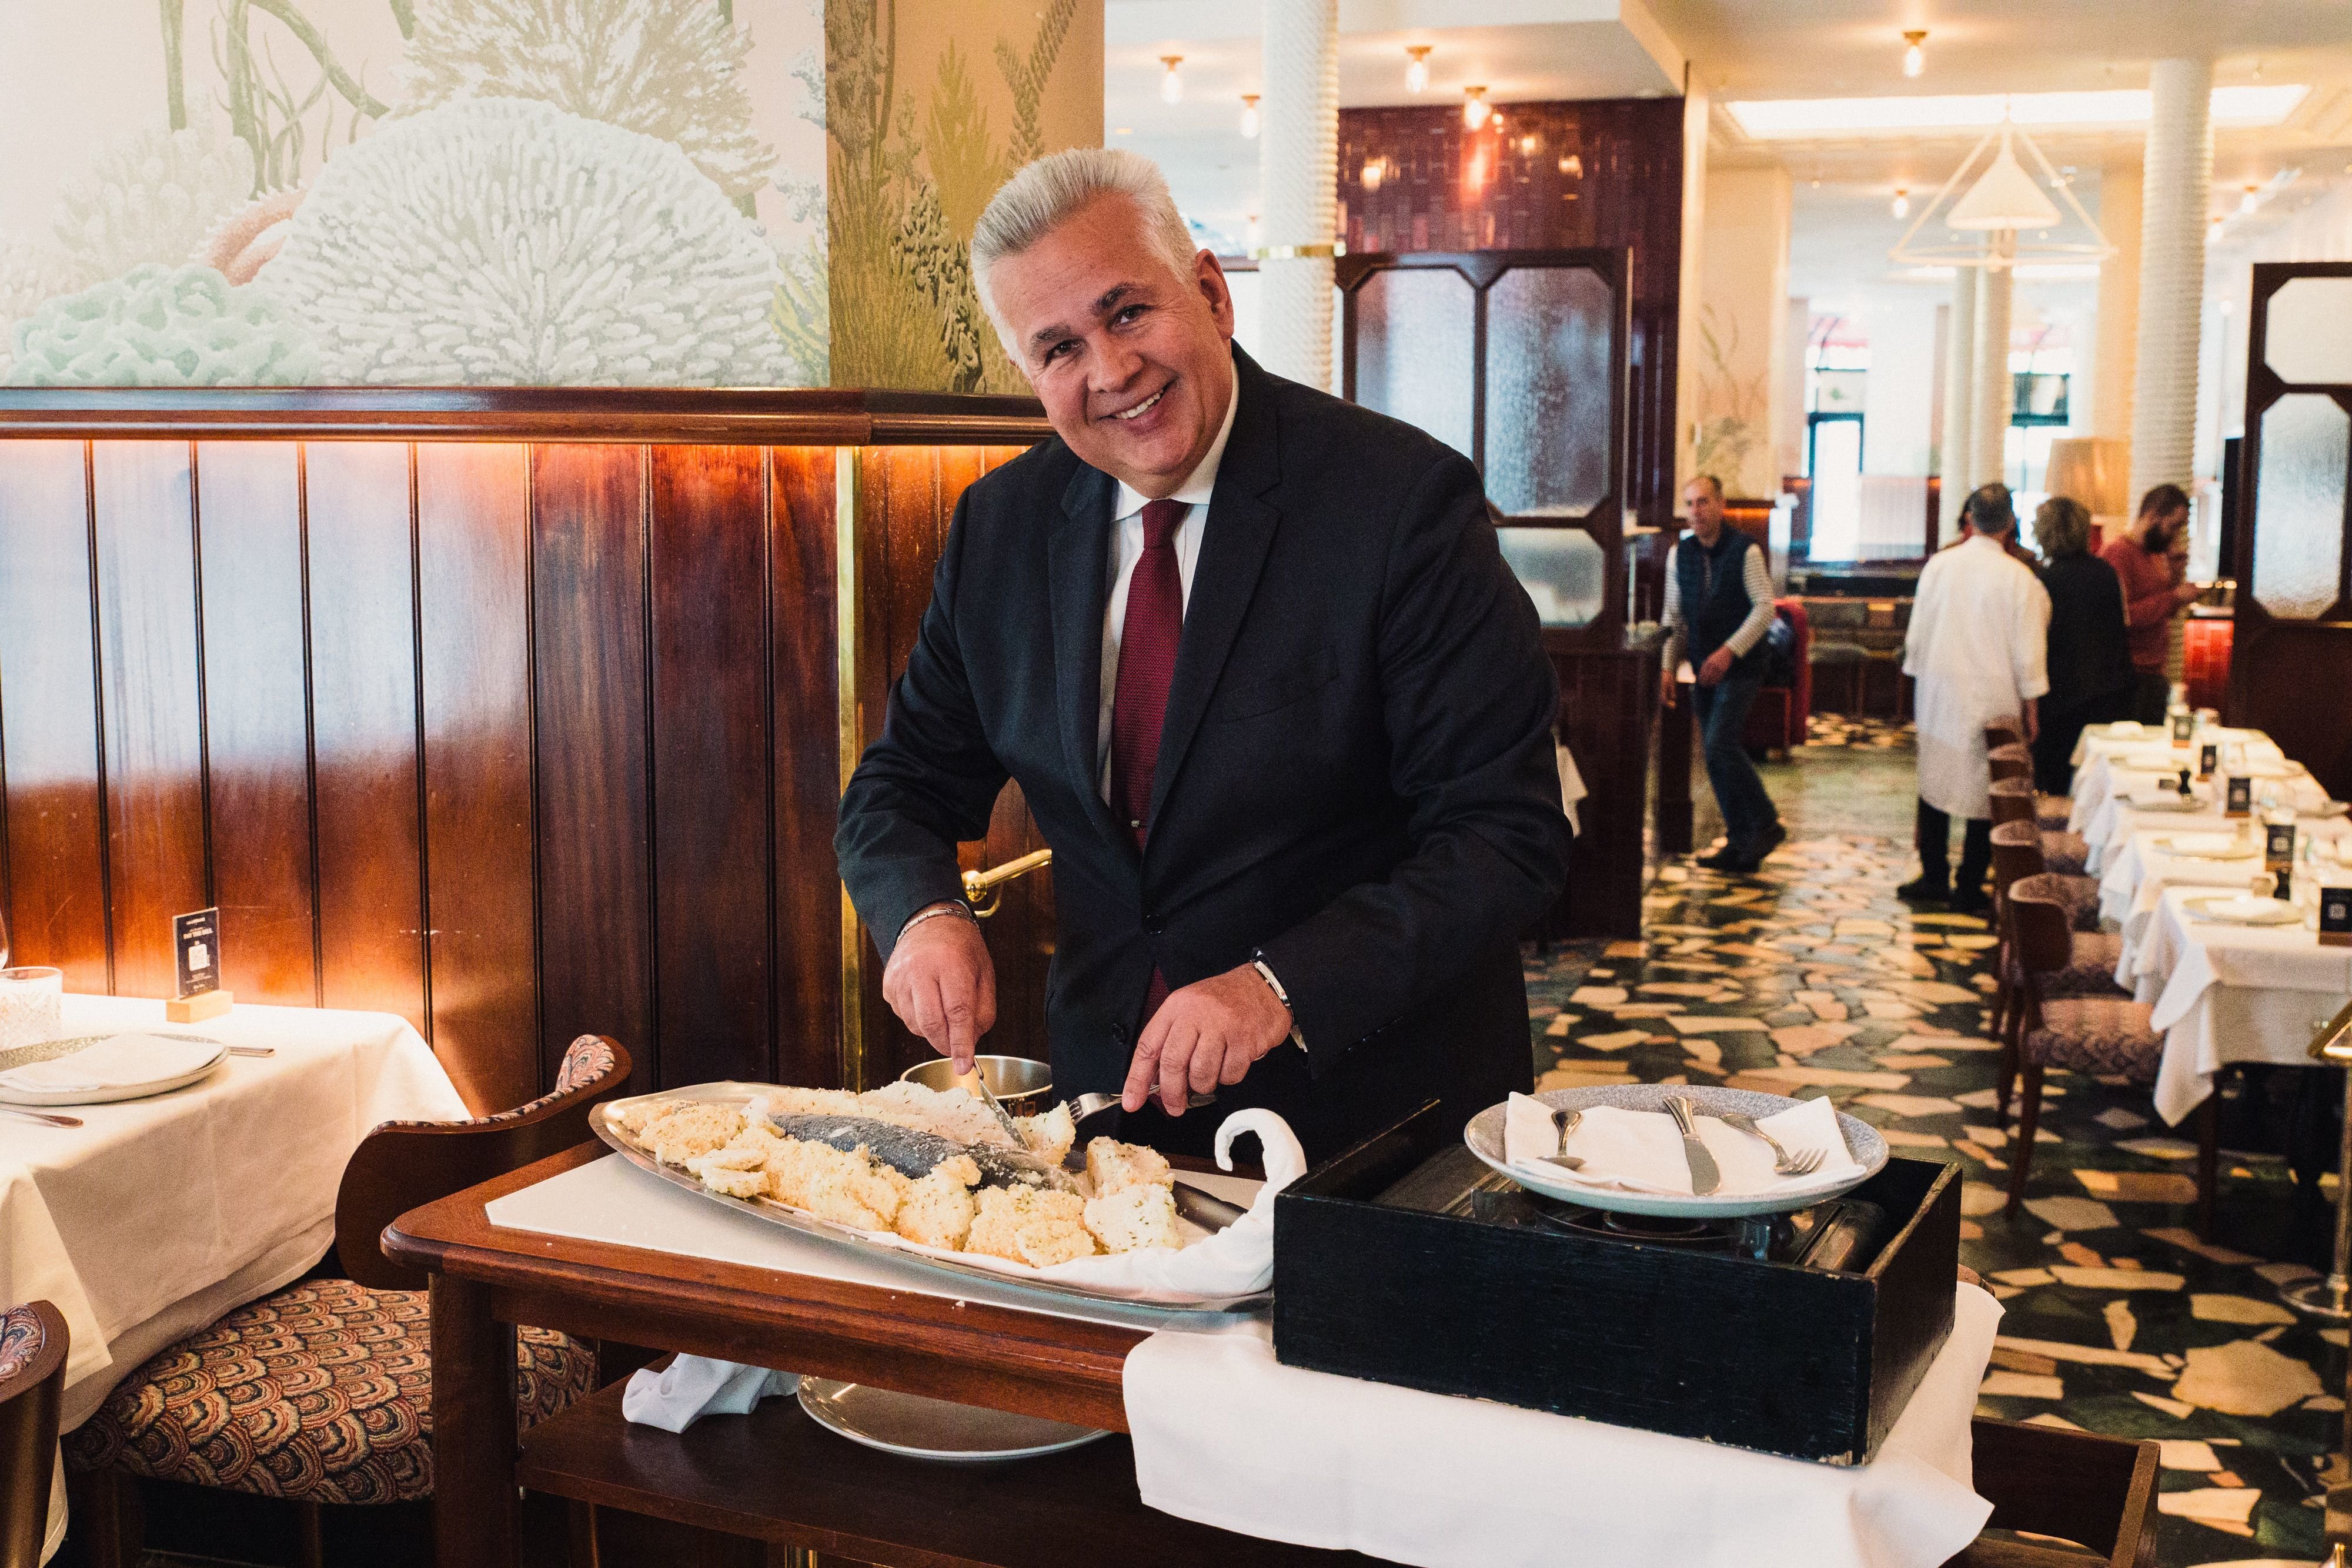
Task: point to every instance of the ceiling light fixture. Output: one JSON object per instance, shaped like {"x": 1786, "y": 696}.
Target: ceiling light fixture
{"x": 1788, "y": 119}
{"x": 1249, "y": 114}
{"x": 2250, "y": 201}
{"x": 1914, "y": 59}
{"x": 1991, "y": 195}
{"x": 1475, "y": 110}
{"x": 1572, "y": 166}
{"x": 1902, "y": 206}
{"x": 1416, "y": 75}
{"x": 1254, "y": 235}
{"x": 1171, "y": 86}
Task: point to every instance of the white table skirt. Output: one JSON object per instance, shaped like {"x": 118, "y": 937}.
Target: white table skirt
{"x": 2228, "y": 993}
{"x": 161, "y": 1214}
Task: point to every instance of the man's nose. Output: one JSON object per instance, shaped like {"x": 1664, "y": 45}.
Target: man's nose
{"x": 1114, "y": 366}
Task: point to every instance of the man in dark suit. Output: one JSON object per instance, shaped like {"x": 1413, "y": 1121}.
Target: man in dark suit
{"x": 1270, "y": 693}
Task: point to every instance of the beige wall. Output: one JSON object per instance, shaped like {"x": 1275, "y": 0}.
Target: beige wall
{"x": 1740, "y": 354}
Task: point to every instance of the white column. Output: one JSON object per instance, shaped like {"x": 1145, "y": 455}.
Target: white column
{"x": 2111, "y": 368}
{"x": 1989, "y": 420}
{"x": 2176, "y": 177}
{"x": 1958, "y": 440}
{"x": 1298, "y": 182}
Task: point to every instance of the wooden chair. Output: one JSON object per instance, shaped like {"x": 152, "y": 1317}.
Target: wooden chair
{"x": 2013, "y": 800}
{"x": 2014, "y": 760}
{"x": 33, "y": 1344}
{"x": 2017, "y": 854}
{"x": 322, "y": 1392}
{"x": 2076, "y": 1485}
{"x": 2107, "y": 1036}
{"x": 2006, "y": 730}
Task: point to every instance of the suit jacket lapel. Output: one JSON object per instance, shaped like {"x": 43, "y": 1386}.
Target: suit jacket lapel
{"x": 1078, "y": 567}
{"x": 1241, "y": 526}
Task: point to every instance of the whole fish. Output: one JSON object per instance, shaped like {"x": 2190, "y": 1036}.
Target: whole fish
{"x": 915, "y": 1153}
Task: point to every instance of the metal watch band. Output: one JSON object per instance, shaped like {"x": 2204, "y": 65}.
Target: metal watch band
{"x": 1265, "y": 973}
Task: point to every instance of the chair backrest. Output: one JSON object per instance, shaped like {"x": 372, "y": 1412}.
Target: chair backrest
{"x": 2004, "y": 731}
{"x": 2100, "y": 1491}
{"x": 2016, "y": 852}
{"x": 2011, "y": 760}
{"x": 403, "y": 1165}
{"x": 2039, "y": 924}
{"x": 33, "y": 1343}
{"x": 2013, "y": 800}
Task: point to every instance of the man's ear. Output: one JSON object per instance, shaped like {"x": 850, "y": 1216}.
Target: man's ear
{"x": 1209, "y": 278}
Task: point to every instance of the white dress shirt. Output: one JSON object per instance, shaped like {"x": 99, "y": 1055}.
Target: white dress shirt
{"x": 1127, "y": 549}
{"x": 1977, "y": 648}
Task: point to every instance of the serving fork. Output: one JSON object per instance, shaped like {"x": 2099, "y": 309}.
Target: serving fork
{"x": 1805, "y": 1162}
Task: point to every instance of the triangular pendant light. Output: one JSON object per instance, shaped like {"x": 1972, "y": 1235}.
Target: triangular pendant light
{"x": 2000, "y": 199}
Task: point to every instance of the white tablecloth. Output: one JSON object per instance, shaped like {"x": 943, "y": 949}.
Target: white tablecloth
{"x": 2141, "y": 870}
{"x": 161, "y": 1213}
{"x": 1225, "y": 1434}
{"x": 2228, "y": 993}
{"x": 2099, "y": 740}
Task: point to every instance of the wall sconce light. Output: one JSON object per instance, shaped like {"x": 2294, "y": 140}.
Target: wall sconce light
{"x": 1572, "y": 166}
{"x": 1902, "y": 204}
{"x": 1373, "y": 174}
{"x": 1914, "y": 56}
{"x": 1249, "y": 115}
{"x": 1475, "y": 110}
{"x": 1416, "y": 75}
{"x": 2250, "y": 201}
{"x": 1171, "y": 86}
{"x": 1528, "y": 144}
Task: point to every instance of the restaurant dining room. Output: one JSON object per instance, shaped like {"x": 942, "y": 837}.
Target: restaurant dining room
{"x": 1026, "y": 783}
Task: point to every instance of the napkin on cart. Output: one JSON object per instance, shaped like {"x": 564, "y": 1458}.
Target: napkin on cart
{"x": 693, "y": 1387}
{"x": 118, "y": 1061}
{"x": 1228, "y": 1436}
{"x": 1642, "y": 1150}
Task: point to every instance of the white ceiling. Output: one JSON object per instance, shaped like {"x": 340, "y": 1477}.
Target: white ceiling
{"x": 1556, "y": 49}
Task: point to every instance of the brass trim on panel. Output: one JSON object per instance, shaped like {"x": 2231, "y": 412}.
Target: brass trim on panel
{"x": 848, "y": 613}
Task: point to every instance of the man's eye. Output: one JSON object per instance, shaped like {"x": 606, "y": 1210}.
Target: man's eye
{"x": 1130, "y": 314}
{"x": 1057, "y": 351}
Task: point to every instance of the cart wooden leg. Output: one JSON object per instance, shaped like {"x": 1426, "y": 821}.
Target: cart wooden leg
{"x": 473, "y": 1429}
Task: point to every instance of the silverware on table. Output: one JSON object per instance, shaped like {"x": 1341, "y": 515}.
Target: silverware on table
{"x": 40, "y": 1116}
{"x": 1704, "y": 1177}
{"x": 1085, "y": 1105}
{"x": 253, "y": 1050}
{"x": 1783, "y": 1163}
{"x": 1564, "y": 1118}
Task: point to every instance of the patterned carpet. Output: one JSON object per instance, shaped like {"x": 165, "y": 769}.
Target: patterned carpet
{"x": 1810, "y": 978}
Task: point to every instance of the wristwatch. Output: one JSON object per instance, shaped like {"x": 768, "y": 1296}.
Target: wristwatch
{"x": 1265, "y": 972}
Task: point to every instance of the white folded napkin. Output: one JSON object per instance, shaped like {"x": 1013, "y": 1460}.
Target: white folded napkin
{"x": 1642, "y": 1150}
{"x": 693, "y": 1387}
{"x": 2123, "y": 727}
{"x": 2207, "y": 845}
{"x": 2161, "y": 801}
{"x": 118, "y": 1061}
{"x": 2248, "y": 909}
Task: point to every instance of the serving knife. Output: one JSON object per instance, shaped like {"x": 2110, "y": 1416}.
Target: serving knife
{"x": 1704, "y": 1177}
{"x": 1205, "y": 1210}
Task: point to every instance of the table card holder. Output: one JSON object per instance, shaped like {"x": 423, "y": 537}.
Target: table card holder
{"x": 2184, "y": 727}
{"x": 2278, "y": 856}
{"x": 2336, "y": 917}
{"x": 2241, "y": 800}
{"x": 2209, "y": 758}
{"x": 195, "y": 950}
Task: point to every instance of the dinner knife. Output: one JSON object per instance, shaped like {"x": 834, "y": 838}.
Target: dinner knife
{"x": 1205, "y": 1210}
{"x": 1704, "y": 1177}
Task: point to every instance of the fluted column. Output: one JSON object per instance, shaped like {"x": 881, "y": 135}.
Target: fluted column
{"x": 1989, "y": 420}
{"x": 1298, "y": 184}
{"x": 1958, "y": 441}
{"x": 2176, "y": 177}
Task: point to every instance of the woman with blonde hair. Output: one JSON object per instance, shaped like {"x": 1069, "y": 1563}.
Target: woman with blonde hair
{"x": 2089, "y": 655}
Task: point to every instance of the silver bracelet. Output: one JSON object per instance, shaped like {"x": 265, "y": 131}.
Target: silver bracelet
{"x": 1257, "y": 962}
{"x": 932, "y": 912}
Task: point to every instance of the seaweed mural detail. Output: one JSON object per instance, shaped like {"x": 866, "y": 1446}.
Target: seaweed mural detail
{"x": 1730, "y": 425}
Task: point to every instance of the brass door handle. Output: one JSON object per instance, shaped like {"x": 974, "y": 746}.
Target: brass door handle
{"x": 982, "y": 889}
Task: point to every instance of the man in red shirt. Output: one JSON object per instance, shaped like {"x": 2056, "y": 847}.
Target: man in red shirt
{"x": 2152, "y": 559}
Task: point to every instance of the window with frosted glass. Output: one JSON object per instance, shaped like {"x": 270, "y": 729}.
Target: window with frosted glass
{"x": 1563, "y": 570}
{"x": 2308, "y": 335}
{"x": 2299, "y": 505}
{"x": 1415, "y": 344}
{"x": 1549, "y": 340}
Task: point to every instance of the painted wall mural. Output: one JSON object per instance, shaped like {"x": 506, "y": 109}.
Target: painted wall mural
{"x": 609, "y": 193}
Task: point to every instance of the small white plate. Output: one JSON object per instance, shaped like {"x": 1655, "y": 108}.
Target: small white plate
{"x": 2161, "y": 801}
{"x": 2243, "y": 909}
{"x": 935, "y": 1429}
{"x": 1485, "y": 1137}
{"x": 53, "y": 1049}
{"x": 2206, "y": 847}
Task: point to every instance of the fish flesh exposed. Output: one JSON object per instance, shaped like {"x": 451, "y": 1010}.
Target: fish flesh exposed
{"x": 915, "y": 1153}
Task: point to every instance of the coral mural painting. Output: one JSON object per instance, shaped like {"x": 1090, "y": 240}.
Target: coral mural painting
{"x": 414, "y": 191}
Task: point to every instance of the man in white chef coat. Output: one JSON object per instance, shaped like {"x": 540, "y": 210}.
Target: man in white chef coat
{"x": 1979, "y": 626}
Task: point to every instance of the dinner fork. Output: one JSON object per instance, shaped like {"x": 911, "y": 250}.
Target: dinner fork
{"x": 1803, "y": 1163}
{"x": 41, "y": 1117}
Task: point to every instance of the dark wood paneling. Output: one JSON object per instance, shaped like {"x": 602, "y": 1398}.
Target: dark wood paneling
{"x": 710, "y": 771}
{"x": 142, "y": 512}
{"x": 588, "y": 635}
{"x": 1608, "y": 707}
{"x": 55, "y": 862}
{"x": 473, "y": 555}
{"x": 364, "y": 722}
{"x": 257, "y": 717}
{"x": 804, "y": 678}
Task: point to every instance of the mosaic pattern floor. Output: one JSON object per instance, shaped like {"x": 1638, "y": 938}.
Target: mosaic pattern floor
{"x": 1810, "y": 978}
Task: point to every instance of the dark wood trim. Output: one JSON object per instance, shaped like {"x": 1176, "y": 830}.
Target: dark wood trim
{"x": 718, "y": 417}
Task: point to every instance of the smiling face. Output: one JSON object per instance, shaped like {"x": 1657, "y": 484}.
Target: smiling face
{"x": 1129, "y": 357}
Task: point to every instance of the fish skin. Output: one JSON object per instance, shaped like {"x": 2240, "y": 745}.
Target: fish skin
{"x": 908, "y": 1150}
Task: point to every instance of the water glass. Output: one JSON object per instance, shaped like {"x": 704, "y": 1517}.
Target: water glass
{"x": 30, "y": 1000}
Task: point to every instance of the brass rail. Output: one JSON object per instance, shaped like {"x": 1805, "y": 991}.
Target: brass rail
{"x": 982, "y": 889}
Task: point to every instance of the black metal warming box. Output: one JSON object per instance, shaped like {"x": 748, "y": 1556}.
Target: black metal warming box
{"x": 1406, "y": 1260}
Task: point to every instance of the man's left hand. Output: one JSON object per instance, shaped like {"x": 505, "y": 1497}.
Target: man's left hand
{"x": 1717, "y": 665}
{"x": 1207, "y": 1033}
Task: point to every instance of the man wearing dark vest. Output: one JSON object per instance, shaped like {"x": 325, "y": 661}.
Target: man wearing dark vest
{"x": 1719, "y": 607}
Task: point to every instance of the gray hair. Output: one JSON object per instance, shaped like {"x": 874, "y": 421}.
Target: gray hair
{"x": 1045, "y": 193}
{"x": 1989, "y": 511}
{"x": 2061, "y": 527}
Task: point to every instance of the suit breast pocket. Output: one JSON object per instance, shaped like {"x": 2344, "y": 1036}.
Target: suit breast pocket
{"x": 1255, "y": 699}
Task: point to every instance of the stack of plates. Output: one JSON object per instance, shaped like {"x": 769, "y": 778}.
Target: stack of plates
{"x": 95, "y": 1069}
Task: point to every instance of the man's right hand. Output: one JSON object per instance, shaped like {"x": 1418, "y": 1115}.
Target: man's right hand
{"x": 1666, "y": 687}
{"x": 942, "y": 985}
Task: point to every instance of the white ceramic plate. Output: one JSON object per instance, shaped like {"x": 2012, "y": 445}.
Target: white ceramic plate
{"x": 2161, "y": 801}
{"x": 2207, "y": 846}
{"x": 1485, "y": 1137}
{"x": 54, "y": 1048}
{"x": 935, "y": 1429}
{"x": 2243, "y": 909}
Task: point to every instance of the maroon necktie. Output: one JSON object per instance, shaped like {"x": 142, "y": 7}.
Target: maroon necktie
{"x": 1147, "y": 658}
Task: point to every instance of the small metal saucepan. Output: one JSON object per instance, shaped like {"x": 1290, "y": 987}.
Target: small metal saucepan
{"x": 1025, "y": 1086}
